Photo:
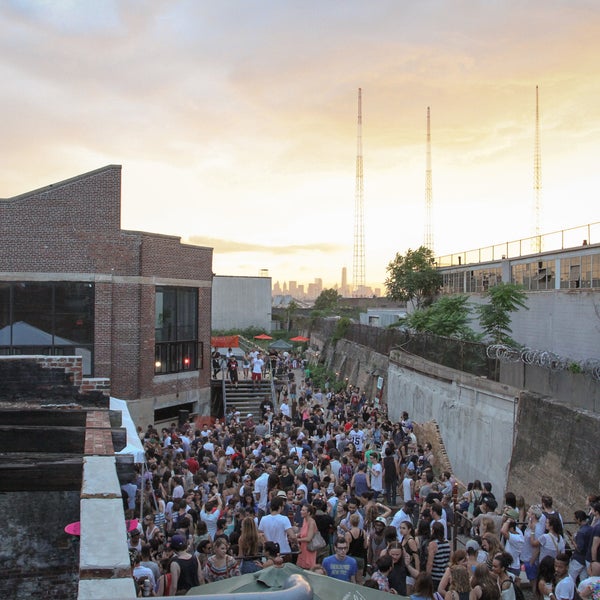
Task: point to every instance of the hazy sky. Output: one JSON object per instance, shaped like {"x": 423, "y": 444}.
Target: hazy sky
{"x": 236, "y": 122}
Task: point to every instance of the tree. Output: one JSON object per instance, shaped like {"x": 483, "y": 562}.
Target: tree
{"x": 327, "y": 300}
{"x": 448, "y": 316}
{"x": 495, "y": 318}
{"x": 290, "y": 310}
{"x": 413, "y": 277}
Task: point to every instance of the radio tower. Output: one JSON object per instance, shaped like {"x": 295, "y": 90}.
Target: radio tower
{"x": 537, "y": 176}
{"x": 428, "y": 192}
{"x": 358, "y": 263}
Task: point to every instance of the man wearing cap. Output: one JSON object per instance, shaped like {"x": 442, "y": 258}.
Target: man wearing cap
{"x": 376, "y": 541}
{"x": 185, "y": 568}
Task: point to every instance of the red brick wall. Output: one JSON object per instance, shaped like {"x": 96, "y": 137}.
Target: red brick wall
{"x": 71, "y": 230}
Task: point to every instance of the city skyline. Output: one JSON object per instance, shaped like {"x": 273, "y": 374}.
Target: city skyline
{"x": 235, "y": 122}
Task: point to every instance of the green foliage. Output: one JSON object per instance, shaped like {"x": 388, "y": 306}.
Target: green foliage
{"x": 320, "y": 375}
{"x": 341, "y": 328}
{"x": 448, "y": 316}
{"x": 327, "y": 300}
{"x": 575, "y": 367}
{"x": 495, "y": 316}
{"x": 413, "y": 277}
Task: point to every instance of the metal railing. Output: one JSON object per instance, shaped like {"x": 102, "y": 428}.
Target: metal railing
{"x": 557, "y": 240}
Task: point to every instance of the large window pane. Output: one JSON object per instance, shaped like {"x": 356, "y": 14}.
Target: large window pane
{"x": 74, "y": 312}
{"x": 32, "y": 314}
{"x": 176, "y": 330}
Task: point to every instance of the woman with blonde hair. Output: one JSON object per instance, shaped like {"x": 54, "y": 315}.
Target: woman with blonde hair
{"x": 460, "y": 583}
{"x": 491, "y": 544}
{"x": 249, "y": 547}
{"x": 457, "y": 558}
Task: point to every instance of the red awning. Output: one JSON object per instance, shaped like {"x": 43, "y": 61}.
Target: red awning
{"x": 225, "y": 341}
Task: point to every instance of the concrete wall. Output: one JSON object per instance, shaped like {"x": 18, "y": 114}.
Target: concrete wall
{"x": 577, "y": 390}
{"x": 241, "y": 302}
{"x": 475, "y": 416}
{"x": 556, "y": 452}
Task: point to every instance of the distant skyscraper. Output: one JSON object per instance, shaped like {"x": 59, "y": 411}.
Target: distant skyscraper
{"x": 293, "y": 288}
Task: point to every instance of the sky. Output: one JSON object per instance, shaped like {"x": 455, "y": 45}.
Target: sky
{"x": 235, "y": 122}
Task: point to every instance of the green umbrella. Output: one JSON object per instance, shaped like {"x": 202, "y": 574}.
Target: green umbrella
{"x": 288, "y": 581}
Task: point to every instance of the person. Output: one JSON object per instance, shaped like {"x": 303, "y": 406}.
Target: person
{"x": 210, "y": 514}
{"x": 491, "y": 545}
{"x": 438, "y": 554}
{"x": 307, "y": 559}
{"x": 390, "y": 475}
{"x": 143, "y": 576}
{"x": 543, "y": 588}
{"x": 579, "y": 543}
{"x": 565, "y": 586}
{"x": 423, "y": 588}
{"x": 357, "y": 545}
{"x": 220, "y": 565}
{"x": 589, "y": 588}
{"x": 248, "y": 547}
{"x": 552, "y": 542}
{"x": 232, "y": 370}
{"x": 530, "y": 554}
{"x": 277, "y": 527}
{"x": 246, "y": 366}
{"x": 340, "y": 566}
{"x": 500, "y": 565}
{"x": 460, "y": 585}
{"x": 383, "y": 567}
{"x": 483, "y": 585}
{"x": 257, "y": 368}
{"x": 376, "y": 541}
{"x": 376, "y": 474}
{"x": 411, "y": 549}
{"x": 458, "y": 557}
{"x": 513, "y": 544}
{"x": 185, "y": 568}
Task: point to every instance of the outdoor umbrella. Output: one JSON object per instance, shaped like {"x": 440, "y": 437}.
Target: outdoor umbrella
{"x": 263, "y": 336}
{"x": 288, "y": 582}
{"x": 299, "y": 338}
{"x": 281, "y": 345}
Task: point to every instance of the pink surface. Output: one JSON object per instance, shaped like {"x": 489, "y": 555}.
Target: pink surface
{"x": 75, "y": 528}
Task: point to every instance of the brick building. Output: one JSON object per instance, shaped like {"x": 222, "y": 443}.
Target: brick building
{"x": 136, "y": 306}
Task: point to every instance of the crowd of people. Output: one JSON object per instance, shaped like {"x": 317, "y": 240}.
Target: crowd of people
{"x": 325, "y": 480}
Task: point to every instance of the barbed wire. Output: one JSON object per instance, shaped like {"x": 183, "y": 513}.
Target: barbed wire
{"x": 544, "y": 358}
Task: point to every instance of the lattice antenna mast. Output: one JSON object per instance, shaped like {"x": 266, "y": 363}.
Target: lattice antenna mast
{"x": 358, "y": 263}
{"x": 428, "y": 189}
{"x": 537, "y": 176}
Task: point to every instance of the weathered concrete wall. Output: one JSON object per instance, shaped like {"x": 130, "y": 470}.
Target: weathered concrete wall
{"x": 475, "y": 416}
{"x": 577, "y": 390}
{"x": 556, "y": 452}
{"x": 38, "y": 559}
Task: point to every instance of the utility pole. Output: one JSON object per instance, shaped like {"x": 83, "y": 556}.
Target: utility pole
{"x": 358, "y": 263}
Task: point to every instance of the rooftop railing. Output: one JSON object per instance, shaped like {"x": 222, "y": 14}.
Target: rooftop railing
{"x": 558, "y": 240}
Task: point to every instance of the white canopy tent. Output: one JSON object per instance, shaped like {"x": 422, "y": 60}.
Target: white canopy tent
{"x": 134, "y": 444}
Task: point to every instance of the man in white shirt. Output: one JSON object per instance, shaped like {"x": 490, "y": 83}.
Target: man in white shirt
{"x": 277, "y": 527}
{"x": 284, "y": 409}
{"x": 376, "y": 472}
{"x": 402, "y": 516}
{"x": 565, "y": 586}
{"x": 260, "y": 489}
{"x": 257, "y": 368}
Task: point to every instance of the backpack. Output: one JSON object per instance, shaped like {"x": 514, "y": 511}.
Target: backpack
{"x": 519, "y": 595}
{"x": 346, "y": 473}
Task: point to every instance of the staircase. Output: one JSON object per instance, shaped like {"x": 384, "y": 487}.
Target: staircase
{"x": 247, "y": 398}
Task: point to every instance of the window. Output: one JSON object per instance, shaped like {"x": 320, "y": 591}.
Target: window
{"x": 49, "y": 318}
{"x": 176, "y": 331}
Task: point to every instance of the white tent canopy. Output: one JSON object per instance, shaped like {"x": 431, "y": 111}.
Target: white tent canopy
{"x": 134, "y": 444}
